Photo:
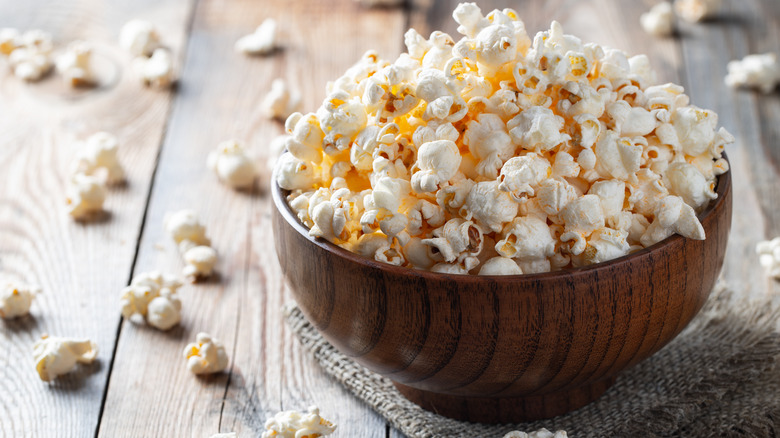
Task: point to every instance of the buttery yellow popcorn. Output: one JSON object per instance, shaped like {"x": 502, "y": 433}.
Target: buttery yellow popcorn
{"x": 501, "y": 154}
{"x": 206, "y": 355}
{"x": 293, "y": 424}
{"x": 15, "y": 299}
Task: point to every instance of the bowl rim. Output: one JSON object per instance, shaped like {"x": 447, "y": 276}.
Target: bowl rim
{"x": 723, "y": 188}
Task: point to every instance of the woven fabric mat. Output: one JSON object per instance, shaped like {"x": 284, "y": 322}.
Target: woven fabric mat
{"x": 717, "y": 378}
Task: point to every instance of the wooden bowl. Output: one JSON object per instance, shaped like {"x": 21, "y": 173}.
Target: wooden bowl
{"x": 503, "y": 348}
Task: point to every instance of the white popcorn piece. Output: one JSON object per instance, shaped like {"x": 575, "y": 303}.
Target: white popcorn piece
{"x": 617, "y": 157}
{"x": 526, "y": 239}
{"x": 99, "y": 151}
{"x": 760, "y": 71}
{"x": 260, "y": 42}
{"x": 537, "y": 129}
{"x": 206, "y": 355}
{"x": 293, "y": 174}
{"x": 55, "y": 356}
{"x": 488, "y": 206}
{"x": 769, "y": 256}
{"x": 139, "y": 37}
{"x": 457, "y": 240}
{"x": 16, "y": 299}
{"x": 75, "y": 65}
{"x": 185, "y": 227}
{"x": 294, "y": 424}
{"x": 604, "y": 244}
{"x": 659, "y": 20}
{"x": 437, "y": 162}
{"x": 500, "y": 266}
{"x": 32, "y": 60}
{"x": 164, "y": 311}
{"x": 553, "y": 195}
{"x": 541, "y": 433}
{"x": 280, "y": 102}
{"x": 489, "y": 142}
{"x": 200, "y": 261}
{"x": 521, "y": 176}
{"x": 582, "y": 217}
{"x": 85, "y": 196}
{"x": 157, "y": 70}
{"x": 232, "y": 165}
{"x": 10, "y": 40}
{"x": 697, "y": 10}
{"x": 686, "y": 181}
{"x": 673, "y": 216}
{"x": 143, "y": 289}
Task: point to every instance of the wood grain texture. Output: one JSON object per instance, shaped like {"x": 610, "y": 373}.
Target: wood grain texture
{"x": 503, "y": 348}
{"x": 81, "y": 267}
{"x": 151, "y": 392}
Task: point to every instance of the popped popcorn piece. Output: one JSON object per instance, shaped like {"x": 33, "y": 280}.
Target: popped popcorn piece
{"x": 541, "y": 433}
{"x": 697, "y": 10}
{"x": 200, "y": 261}
{"x": 185, "y": 228}
{"x": 673, "y": 216}
{"x": 294, "y": 424}
{"x": 489, "y": 142}
{"x": 260, "y": 42}
{"x": 686, "y": 181}
{"x": 659, "y": 20}
{"x": 10, "y": 40}
{"x": 139, "y": 37}
{"x": 769, "y": 256}
{"x": 582, "y": 217}
{"x": 55, "y": 356}
{"x": 157, "y": 70}
{"x": 74, "y": 65}
{"x": 437, "y": 162}
{"x": 15, "y": 299}
{"x": 206, "y": 355}
{"x": 294, "y": 174}
{"x": 760, "y": 71}
{"x": 537, "y": 129}
{"x": 488, "y": 206}
{"x": 457, "y": 240}
{"x": 500, "y": 266}
{"x": 280, "y": 102}
{"x": 232, "y": 164}
{"x": 85, "y": 196}
{"x": 31, "y": 60}
{"x": 99, "y": 151}
{"x": 521, "y": 176}
{"x": 164, "y": 311}
{"x": 526, "y": 239}
{"x": 143, "y": 289}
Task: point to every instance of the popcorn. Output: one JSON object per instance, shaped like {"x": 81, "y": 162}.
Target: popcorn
{"x": 85, "y": 196}
{"x": 769, "y": 256}
{"x": 261, "y": 42}
{"x": 206, "y": 355}
{"x": 55, "y": 356}
{"x": 10, "y": 40}
{"x": 200, "y": 262}
{"x": 164, "y": 311}
{"x": 501, "y": 152}
{"x": 232, "y": 165}
{"x": 185, "y": 228}
{"x": 697, "y": 10}
{"x": 541, "y": 433}
{"x": 293, "y": 424}
{"x": 30, "y": 58}
{"x": 659, "y": 21}
{"x": 757, "y": 71}
{"x": 139, "y": 37}
{"x": 157, "y": 70}
{"x": 74, "y": 65}
{"x": 99, "y": 151}
{"x": 15, "y": 300}
{"x": 143, "y": 289}
{"x": 280, "y": 102}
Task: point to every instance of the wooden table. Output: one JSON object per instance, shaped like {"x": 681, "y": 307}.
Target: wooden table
{"x": 139, "y": 386}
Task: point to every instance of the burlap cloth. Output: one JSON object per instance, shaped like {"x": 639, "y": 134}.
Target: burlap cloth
{"x": 717, "y": 378}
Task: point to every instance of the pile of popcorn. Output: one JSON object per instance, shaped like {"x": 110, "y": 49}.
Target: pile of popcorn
{"x": 498, "y": 154}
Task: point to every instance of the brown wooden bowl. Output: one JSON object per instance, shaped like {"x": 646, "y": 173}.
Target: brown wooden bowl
{"x": 503, "y": 348}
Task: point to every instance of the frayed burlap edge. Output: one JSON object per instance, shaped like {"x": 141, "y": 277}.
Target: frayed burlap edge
{"x": 717, "y": 378}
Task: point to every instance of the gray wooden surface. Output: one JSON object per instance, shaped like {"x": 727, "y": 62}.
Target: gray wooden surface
{"x": 140, "y": 386}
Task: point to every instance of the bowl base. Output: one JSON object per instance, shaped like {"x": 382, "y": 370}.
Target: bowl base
{"x": 507, "y": 409}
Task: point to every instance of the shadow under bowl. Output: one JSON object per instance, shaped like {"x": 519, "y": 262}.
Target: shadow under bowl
{"x": 503, "y": 348}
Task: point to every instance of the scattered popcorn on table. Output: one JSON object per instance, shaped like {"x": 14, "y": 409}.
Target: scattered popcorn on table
{"x": 757, "y": 71}
{"x": 85, "y": 196}
{"x": 157, "y": 70}
{"x": 15, "y": 299}
{"x": 280, "y": 102}
{"x": 261, "y": 42}
{"x": 99, "y": 151}
{"x": 143, "y": 290}
{"x": 55, "y": 356}
{"x": 232, "y": 164}
{"x": 139, "y": 37}
{"x": 10, "y": 40}
{"x": 200, "y": 261}
{"x": 659, "y": 20}
{"x": 541, "y": 433}
{"x": 548, "y": 153}
{"x": 74, "y": 65}
{"x": 206, "y": 355}
{"x": 190, "y": 237}
{"x": 31, "y": 59}
{"x": 769, "y": 256}
{"x": 293, "y": 424}
{"x": 697, "y": 10}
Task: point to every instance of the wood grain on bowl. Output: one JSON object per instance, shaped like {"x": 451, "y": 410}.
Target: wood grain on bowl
{"x": 503, "y": 348}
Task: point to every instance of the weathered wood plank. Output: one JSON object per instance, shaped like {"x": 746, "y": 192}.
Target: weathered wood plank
{"x": 80, "y": 266}
{"x": 151, "y": 392}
